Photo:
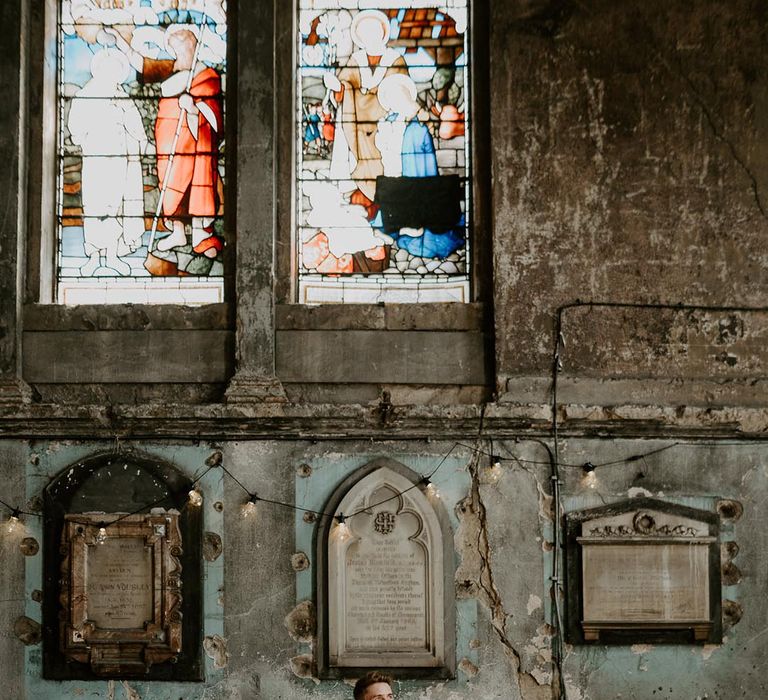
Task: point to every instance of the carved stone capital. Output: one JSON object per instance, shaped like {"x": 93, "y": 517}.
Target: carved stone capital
{"x": 249, "y": 388}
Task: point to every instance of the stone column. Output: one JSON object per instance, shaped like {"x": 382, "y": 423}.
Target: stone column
{"x": 254, "y": 380}
{"x": 13, "y": 214}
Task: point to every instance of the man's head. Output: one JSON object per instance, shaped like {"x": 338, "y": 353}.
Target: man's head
{"x": 374, "y": 686}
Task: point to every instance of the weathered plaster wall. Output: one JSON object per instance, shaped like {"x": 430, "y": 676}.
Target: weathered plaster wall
{"x": 629, "y": 145}
{"x": 502, "y": 534}
{"x": 12, "y": 455}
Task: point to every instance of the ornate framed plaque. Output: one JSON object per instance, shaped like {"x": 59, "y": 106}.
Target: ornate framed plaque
{"x": 643, "y": 570}
{"x": 121, "y": 591}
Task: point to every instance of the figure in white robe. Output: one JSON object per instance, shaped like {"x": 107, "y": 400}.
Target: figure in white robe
{"x": 106, "y": 124}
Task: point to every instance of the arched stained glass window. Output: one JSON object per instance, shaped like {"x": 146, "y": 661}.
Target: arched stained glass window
{"x": 382, "y": 151}
{"x": 141, "y": 151}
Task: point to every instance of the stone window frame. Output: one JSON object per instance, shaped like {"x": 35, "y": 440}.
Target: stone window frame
{"x": 255, "y": 322}
{"x": 36, "y": 312}
{"x": 479, "y": 171}
{"x": 321, "y": 581}
{"x": 297, "y": 324}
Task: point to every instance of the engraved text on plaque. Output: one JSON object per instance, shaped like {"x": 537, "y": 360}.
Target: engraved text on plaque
{"x": 646, "y": 572}
{"x": 386, "y": 584}
{"x": 386, "y": 595}
{"x": 119, "y": 583}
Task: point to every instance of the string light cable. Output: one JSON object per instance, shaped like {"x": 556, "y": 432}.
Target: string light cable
{"x": 106, "y": 524}
{"x": 624, "y": 460}
{"x": 424, "y": 482}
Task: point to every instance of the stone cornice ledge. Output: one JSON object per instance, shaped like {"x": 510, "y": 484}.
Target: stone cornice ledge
{"x": 329, "y": 421}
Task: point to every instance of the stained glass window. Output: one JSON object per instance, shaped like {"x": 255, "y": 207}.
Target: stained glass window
{"x": 141, "y": 151}
{"x": 382, "y": 151}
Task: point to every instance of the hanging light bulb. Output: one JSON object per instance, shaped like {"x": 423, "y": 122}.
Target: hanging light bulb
{"x": 429, "y": 488}
{"x": 249, "y": 507}
{"x": 101, "y": 535}
{"x": 590, "y": 476}
{"x": 14, "y": 520}
{"x": 341, "y": 532}
{"x": 494, "y": 471}
{"x": 195, "y": 497}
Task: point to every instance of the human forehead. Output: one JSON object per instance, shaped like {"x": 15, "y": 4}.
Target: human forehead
{"x": 378, "y": 691}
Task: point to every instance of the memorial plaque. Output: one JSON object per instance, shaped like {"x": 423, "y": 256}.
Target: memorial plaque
{"x": 121, "y": 591}
{"x": 119, "y": 583}
{"x": 666, "y": 582}
{"x": 385, "y": 578}
{"x": 644, "y": 569}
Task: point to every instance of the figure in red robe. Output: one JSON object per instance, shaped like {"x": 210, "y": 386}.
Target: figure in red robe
{"x": 187, "y": 165}
{"x": 189, "y": 183}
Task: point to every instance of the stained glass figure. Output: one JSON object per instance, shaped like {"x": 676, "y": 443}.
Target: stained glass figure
{"x": 141, "y": 151}
{"x": 382, "y": 153}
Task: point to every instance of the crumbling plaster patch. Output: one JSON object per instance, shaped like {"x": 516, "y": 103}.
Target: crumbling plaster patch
{"x": 212, "y": 546}
{"x": 475, "y": 579}
{"x": 215, "y": 647}
{"x": 534, "y": 603}
{"x": 304, "y": 666}
{"x": 301, "y": 622}
{"x": 27, "y": 630}
{"x": 130, "y": 693}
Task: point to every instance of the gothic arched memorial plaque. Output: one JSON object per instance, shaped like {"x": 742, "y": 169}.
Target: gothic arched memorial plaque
{"x": 386, "y": 590}
{"x": 121, "y": 591}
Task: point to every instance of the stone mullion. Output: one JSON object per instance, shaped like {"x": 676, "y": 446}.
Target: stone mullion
{"x": 254, "y": 379}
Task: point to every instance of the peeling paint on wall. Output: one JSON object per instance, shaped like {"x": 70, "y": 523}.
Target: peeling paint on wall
{"x": 534, "y": 603}
{"x": 215, "y": 648}
{"x": 27, "y": 630}
{"x": 301, "y": 622}
{"x": 304, "y": 666}
{"x": 130, "y": 693}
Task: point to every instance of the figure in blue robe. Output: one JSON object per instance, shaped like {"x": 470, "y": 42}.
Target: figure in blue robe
{"x": 419, "y": 160}
{"x": 418, "y": 151}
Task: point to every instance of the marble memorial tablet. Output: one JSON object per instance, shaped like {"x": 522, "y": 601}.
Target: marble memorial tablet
{"x": 666, "y": 582}
{"x": 645, "y": 568}
{"x": 385, "y": 578}
{"x": 386, "y": 592}
{"x": 119, "y": 583}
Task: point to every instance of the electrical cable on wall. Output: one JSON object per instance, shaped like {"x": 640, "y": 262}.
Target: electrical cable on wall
{"x": 426, "y": 482}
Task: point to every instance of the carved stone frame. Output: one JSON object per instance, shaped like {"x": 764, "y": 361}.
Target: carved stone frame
{"x": 125, "y": 651}
{"x": 642, "y": 533}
